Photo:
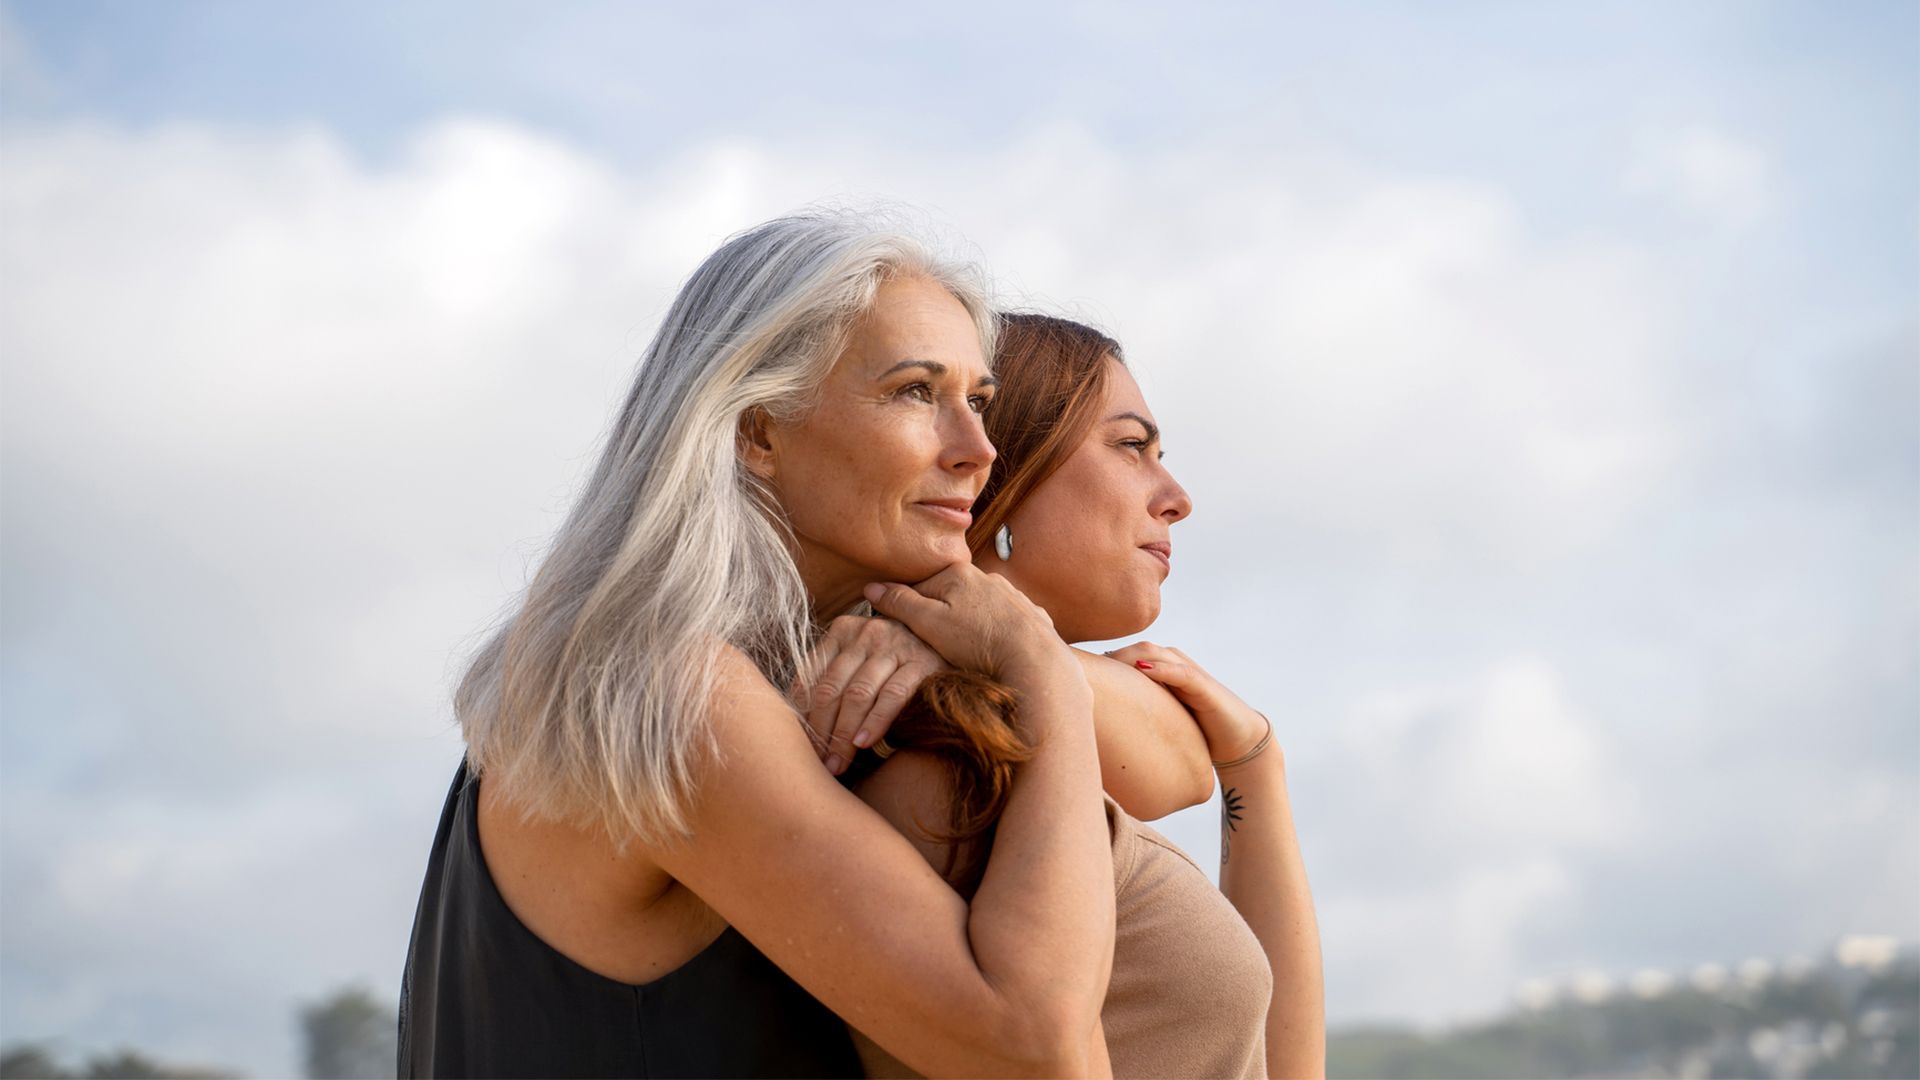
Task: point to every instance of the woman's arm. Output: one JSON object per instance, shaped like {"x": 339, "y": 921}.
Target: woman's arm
{"x": 1262, "y": 873}
{"x": 1153, "y": 759}
{"x": 1261, "y": 869}
{"x": 912, "y": 790}
{"x": 844, "y": 904}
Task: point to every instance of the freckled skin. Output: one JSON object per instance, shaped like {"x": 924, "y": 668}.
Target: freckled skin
{"x": 1077, "y": 539}
{"x": 850, "y": 472}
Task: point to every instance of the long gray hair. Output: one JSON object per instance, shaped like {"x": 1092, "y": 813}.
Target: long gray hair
{"x": 587, "y": 703}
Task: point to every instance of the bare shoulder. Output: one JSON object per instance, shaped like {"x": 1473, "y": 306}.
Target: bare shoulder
{"x": 764, "y": 810}
{"x": 740, "y": 686}
{"x": 1116, "y": 677}
{"x": 910, "y": 784}
{"x": 745, "y": 709}
{"x": 914, "y": 792}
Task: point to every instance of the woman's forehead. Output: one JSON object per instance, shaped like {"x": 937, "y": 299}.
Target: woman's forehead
{"x": 1123, "y": 392}
{"x": 915, "y": 319}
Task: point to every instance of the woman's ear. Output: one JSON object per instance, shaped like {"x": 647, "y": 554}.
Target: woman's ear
{"x": 754, "y": 443}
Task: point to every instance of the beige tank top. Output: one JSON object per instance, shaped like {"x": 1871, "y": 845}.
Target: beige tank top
{"x": 1190, "y": 985}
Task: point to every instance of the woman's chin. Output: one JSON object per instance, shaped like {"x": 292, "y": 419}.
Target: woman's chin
{"x": 919, "y": 565}
{"x": 1108, "y": 622}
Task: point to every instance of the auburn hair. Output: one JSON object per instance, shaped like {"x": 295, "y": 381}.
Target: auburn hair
{"x": 1053, "y": 375}
{"x": 965, "y": 721}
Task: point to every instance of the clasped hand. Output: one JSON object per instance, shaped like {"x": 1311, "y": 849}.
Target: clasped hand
{"x": 863, "y": 672}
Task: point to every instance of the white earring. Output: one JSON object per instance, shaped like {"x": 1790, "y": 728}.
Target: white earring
{"x": 1003, "y": 543}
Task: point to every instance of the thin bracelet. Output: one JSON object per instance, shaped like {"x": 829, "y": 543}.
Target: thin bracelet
{"x": 1253, "y": 753}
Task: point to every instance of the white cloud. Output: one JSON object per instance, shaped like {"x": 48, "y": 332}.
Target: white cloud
{"x": 1516, "y": 767}
{"x": 1466, "y": 810}
{"x": 1706, "y": 172}
{"x": 1441, "y": 952}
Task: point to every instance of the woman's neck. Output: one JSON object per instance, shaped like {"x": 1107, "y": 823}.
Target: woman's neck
{"x": 833, "y": 585}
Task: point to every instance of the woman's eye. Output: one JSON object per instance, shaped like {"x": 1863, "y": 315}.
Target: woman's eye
{"x": 918, "y": 391}
{"x": 1138, "y": 446}
{"x": 979, "y": 402}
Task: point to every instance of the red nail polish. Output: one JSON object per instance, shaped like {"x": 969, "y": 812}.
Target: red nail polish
{"x": 1142, "y": 665}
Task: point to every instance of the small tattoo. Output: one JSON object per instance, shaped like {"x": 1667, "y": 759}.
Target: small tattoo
{"x": 1230, "y": 807}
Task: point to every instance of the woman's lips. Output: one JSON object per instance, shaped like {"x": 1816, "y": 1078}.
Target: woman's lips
{"x": 1162, "y": 551}
{"x": 955, "y": 514}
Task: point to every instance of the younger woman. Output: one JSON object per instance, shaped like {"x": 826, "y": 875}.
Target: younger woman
{"x": 1077, "y": 513}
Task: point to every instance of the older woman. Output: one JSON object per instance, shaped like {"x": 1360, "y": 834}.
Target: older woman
{"x": 1078, "y": 513}
{"x": 641, "y": 868}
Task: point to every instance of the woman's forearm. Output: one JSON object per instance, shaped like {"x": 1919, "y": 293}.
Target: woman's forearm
{"x": 1263, "y": 874}
{"x": 1050, "y": 877}
{"x": 1153, "y": 756}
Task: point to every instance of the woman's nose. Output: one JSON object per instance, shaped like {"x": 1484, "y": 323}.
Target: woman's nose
{"x": 1172, "y": 504}
{"x": 967, "y": 446}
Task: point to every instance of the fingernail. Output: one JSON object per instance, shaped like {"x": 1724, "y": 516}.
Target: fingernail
{"x": 833, "y": 764}
{"x": 1143, "y": 665}
{"x": 873, "y": 592}
{"x": 862, "y": 738}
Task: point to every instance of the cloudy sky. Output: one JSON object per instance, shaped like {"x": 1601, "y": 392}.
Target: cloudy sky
{"x": 1546, "y": 377}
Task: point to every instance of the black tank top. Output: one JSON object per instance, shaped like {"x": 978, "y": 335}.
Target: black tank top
{"x": 483, "y": 996}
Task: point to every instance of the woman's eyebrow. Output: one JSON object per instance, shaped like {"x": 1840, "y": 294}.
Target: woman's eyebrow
{"x": 936, "y": 368}
{"x": 1153, "y": 429}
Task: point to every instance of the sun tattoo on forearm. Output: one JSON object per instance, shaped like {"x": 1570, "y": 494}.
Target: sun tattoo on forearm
{"x": 1230, "y": 807}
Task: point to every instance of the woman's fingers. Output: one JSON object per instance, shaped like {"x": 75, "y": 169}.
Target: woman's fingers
{"x": 1145, "y": 650}
{"x": 901, "y": 602}
{"x": 864, "y": 671}
{"x": 823, "y": 705}
{"x": 892, "y": 697}
{"x": 1175, "y": 675}
{"x": 1229, "y": 724}
{"x": 1171, "y": 669}
{"x": 952, "y": 578}
{"x": 856, "y": 704}
{"x": 975, "y": 620}
{"x": 800, "y": 694}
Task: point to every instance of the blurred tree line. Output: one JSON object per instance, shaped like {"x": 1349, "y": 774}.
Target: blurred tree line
{"x": 351, "y": 1035}
{"x": 1830, "y": 1023}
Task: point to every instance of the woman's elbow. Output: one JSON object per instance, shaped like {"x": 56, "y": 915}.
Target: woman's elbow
{"x": 1199, "y": 781}
{"x": 1184, "y": 784}
{"x": 1050, "y": 1041}
{"x": 1193, "y": 773}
